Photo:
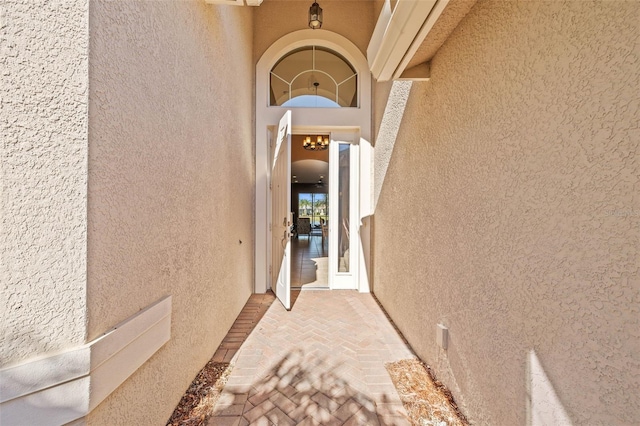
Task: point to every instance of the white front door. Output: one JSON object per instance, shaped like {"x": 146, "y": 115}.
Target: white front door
{"x": 344, "y": 226}
{"x": 281, "y": 212}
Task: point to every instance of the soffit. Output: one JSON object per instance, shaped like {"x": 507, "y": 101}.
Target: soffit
{"x": 444, "y": 26}
{"x": 407, "y": 35}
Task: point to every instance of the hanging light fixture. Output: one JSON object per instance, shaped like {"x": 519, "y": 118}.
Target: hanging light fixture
{"x": 315, "y": 16}
{"x": 316, "y": 143}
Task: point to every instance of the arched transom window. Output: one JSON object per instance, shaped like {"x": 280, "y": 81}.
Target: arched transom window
{"x": 313, "y": 76}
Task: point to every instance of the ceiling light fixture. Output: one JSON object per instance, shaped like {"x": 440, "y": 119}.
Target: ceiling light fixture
{"x": 315, "y": 16}
{"x": 316, "y": 143}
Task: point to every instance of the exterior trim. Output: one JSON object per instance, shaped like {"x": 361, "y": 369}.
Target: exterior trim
{"x": 60, "y": 388}
{"x": 398, "y": 35}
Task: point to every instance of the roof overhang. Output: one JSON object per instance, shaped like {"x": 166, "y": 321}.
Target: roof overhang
{"x": 408, "y": 34}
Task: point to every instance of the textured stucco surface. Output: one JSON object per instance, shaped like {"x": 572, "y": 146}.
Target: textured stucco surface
{"x": 510, "y": 212}
{"x": 388, "y": 115}
{"x": 443, "y": 27}
{"x": 170, "y": 184}
{"x": 354, "y": 20}
{"x": 43, "y": 121}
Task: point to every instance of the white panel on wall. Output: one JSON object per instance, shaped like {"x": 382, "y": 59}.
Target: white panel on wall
{"x": 64, "y": 387}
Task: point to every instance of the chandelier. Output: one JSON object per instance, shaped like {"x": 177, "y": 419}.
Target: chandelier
{"x": 316, "y": 143}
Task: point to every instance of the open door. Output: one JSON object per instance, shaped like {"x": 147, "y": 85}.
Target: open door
{"x": 281, "y": 219}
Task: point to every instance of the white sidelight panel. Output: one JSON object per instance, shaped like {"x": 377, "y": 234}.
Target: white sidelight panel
{"x": 344, "y": 219}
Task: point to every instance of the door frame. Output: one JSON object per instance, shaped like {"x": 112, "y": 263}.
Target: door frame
{"x": 355, "y": 121}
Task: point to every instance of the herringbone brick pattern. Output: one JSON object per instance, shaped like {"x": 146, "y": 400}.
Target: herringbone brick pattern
{"x": 251, "y": 314}
{"x": 322, "y": 363}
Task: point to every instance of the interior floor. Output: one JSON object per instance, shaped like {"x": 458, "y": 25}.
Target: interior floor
{"x": 310, "y": 262}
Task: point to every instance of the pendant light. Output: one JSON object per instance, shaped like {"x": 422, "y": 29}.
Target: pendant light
{"x": 315, "y": 16}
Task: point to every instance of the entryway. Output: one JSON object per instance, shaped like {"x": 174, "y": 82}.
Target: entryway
{"x": 343, "y": 210}
{"x": 310, "y": 207}
{"x": 310, "y": 262}
{"x": 313, "y": 66}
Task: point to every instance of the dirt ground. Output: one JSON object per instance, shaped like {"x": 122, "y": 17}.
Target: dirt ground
{"x": 197, "y": 404}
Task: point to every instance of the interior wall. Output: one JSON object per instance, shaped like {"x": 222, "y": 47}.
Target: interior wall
{"x": 510, "y": 213}
{"x": 171, "y": 178}
{"x": 43, "y": 230}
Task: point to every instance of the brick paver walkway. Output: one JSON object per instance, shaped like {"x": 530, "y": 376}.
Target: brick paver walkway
{"x": 322, "y": 363}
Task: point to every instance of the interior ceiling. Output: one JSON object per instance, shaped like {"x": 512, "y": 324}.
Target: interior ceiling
{"x": 308, "y": 166}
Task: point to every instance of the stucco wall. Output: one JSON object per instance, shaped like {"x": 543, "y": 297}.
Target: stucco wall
{"x": 354, "y": 20}
{"x": 43, "y": 121}
{"x": 170, "y": 184}
{"x": 510, "y": 212}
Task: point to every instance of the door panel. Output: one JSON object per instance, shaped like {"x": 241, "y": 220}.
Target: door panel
{"x": 281, "y": 212}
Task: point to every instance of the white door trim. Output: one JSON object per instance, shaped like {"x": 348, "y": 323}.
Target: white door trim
{"x": 304, "y": 118}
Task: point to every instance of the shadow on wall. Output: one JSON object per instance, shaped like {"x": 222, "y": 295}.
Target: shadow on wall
{"x": 59, "y": 404}
{"x": 543, "y": 405}
{"x": 303, "y": 385}
{"x": 388, "y": 131}
{"x": 366, "y": 243}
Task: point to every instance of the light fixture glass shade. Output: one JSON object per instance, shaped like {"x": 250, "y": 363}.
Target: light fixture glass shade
{"x": 315, "y": 16}
{"x": 317, "y": 143}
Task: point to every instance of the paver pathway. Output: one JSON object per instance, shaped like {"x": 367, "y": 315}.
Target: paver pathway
{"x": 322, "y": 363}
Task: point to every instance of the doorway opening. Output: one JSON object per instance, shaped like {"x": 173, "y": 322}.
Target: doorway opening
{"x": 300, "y": 206}
{"x": 349, "y": 128}
{"x": 310, "y": 208}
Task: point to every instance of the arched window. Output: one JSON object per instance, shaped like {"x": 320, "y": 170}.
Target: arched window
{"x": 313, "y": 76}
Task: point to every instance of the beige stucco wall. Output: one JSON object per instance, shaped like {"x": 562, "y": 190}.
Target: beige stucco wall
{"x": 510, "y": 212}
{"x": 354, "y": 20}
{"x": 43, "y": 225}
{"x": 170, "y": 184}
